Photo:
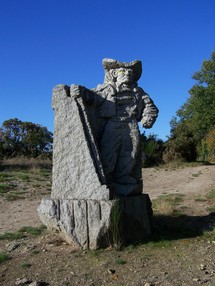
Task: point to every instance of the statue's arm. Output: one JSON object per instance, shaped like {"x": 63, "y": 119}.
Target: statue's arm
{"x": 79, "y": 91}
{"x": 149, "y": 112}
{"x": 94, "y": 96}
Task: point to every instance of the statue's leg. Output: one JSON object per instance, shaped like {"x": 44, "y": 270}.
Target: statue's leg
{"x": 127, "y": 174}
{"x": 109, "y": 148}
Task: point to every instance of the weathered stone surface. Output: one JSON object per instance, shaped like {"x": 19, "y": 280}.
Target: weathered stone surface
{"x": 96, "y": 197}
{"x": 74, "y": 172}
{"x": 91, "y": 224}
{"x": 136, "y": 220}
{"x": 82, "y": 223}
{"x": 49, "y": 213}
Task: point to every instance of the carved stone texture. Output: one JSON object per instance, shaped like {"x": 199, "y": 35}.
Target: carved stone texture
{"x": 75, "y": 173}
{"x": 92, "y": 224}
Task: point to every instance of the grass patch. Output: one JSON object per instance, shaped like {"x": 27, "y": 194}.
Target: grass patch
{"x": 200, "y": 200}
{"x": 3, "y": 257}
{"x": 160, "y": 244}
{"x": 13, "y": 196}
{"x": 120, "y": 261}
{"x": 25, "y": 265}
{"x": 37, "y": 185}
{"x": 210, "y": 235}
{"x": 174, "y": 199}
{"x": 23, "y": 176}
{"x": 23, "y": 232}
{"x": 165, "y": 205}
{"x": 4, "y": 177}
{"x": 11, "y": 235}
{"x": 45, "y": 172}
{"x": 93, "y": 253}
{"x": 211, "y": 195}
{"x": 130, "y": 248}
{"x": 33, "y": 230}
{"x": 35, "y": 252}
{"x": 211, "y": 209}
{"x": 20, "y": 163}
{"x": 211, "y": 201}
{"x": 4, "y": 188}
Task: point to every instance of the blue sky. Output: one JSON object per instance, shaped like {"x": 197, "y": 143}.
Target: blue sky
{"x": 47, "y": 42}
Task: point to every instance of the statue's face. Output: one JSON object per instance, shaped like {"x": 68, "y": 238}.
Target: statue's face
{"x": 123, "y": 75}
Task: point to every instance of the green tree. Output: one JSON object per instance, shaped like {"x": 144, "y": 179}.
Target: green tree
{"x": 196, "y": 117}
{"x": 210, "y": 145}
{"x": 181, "y": 146}
{"x": 19, "y": 138}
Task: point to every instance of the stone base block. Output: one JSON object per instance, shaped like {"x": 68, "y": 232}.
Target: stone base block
{"x": 93, "y": 224}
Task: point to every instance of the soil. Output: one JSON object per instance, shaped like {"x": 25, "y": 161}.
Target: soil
{"x": 173, "y": 257}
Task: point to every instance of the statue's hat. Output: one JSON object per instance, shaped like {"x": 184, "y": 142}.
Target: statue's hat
{"x": 136, "y": 66}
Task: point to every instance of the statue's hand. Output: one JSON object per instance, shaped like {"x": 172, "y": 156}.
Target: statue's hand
{"x": 149, "y": 116}
{"x": 77, "y": 91}
{"x": 147, "y": 122}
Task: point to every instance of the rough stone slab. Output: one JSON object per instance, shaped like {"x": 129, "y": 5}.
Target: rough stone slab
{"x": 74, "y": 171}
{"x": 92, "y": 224}
{"x": 48, "y": 212}
{"x": 99, "y": 222}
{"x": 136, "y": 219}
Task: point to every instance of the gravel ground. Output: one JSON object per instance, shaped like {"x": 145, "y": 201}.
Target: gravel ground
{"x": 181, "y": 253}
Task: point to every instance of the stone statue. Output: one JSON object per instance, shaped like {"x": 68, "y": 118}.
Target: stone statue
{"x": 96, "y": 198}
{"x": 119, "y": 105}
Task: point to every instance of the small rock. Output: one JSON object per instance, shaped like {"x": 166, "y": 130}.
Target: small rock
{"x": 148, "y": 284}
{"x": 196, "y": 279}
{"x": 13, "y": 245}
{"x": 35, "y": 283}
{"x": 22, "y": 281}
{"x": 111, "y": 271}
{"x": 39, "y": 283}
{"x": 203, "y": 267}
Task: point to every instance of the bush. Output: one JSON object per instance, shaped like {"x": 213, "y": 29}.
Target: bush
{"x": 152, "y": 149}
{"x": 210, "y": 145}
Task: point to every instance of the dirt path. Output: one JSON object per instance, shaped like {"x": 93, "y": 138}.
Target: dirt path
{"x": 189, "y": 180}
{"x": 17, "y": 214}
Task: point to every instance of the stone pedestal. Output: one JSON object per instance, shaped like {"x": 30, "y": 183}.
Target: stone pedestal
{"x": 93, "y": 224}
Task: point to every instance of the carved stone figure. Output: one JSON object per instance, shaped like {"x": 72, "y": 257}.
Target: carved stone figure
{"x": 96, "y": 198}
{"x": 119, "y": 105}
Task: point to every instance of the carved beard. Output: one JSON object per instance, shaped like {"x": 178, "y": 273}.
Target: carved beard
{"x": 124, "y": 87}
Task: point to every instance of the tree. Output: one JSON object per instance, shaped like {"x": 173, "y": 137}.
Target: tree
{"x": 196, "y": 117}
{"x": 24, "y": 139}
{"x": 181, "y": 146}
{"x": 210, "y": 145}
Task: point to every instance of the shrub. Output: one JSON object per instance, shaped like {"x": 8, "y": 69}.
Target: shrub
{"x": 210, "y": 145}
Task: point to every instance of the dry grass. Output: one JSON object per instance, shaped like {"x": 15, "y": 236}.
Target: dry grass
{"x": 163, "y": 208}
{"x": 35, "y": 164}
{"x": 177, "y": 164}
{"x": 167, "y": 204}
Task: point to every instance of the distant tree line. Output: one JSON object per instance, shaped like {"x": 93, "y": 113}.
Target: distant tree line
{"x": 18, "y": 138}
{"x": 193, "y": 128}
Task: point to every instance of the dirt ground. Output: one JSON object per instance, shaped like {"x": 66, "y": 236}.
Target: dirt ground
{"x": 180, "y": 260}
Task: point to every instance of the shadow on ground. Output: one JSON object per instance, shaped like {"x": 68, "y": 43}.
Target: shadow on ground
{"x": 173, "y": 228}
